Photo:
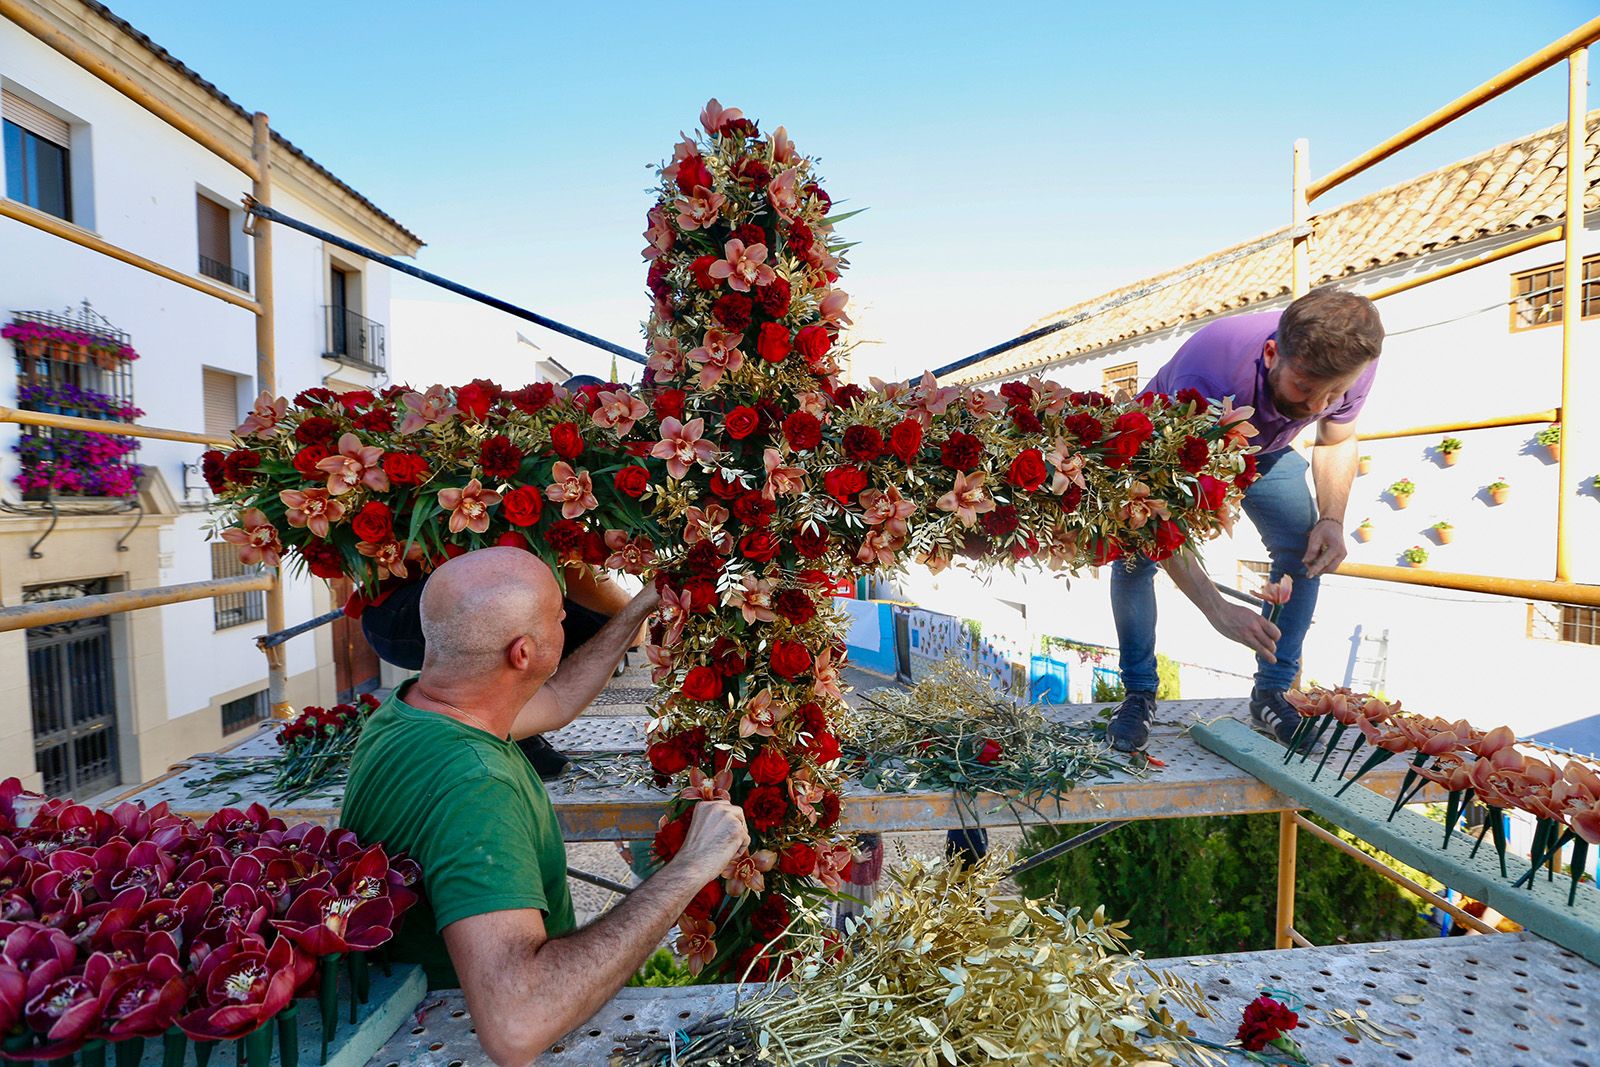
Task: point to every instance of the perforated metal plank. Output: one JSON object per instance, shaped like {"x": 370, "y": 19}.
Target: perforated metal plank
{"x": 622, "y": 733}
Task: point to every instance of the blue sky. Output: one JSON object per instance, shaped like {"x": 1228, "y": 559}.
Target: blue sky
{"x": 1014, "y": 157}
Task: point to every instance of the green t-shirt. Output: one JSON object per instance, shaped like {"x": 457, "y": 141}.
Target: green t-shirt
{"x": 469, "y": 808}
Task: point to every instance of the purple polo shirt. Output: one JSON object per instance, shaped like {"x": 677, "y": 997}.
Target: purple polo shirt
{"x": 1223, "y": 358}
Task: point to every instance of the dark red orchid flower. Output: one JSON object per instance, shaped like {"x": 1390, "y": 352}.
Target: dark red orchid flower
{"x": 41, "y": 953}
{"x": 239, "y": 986}
{"x": 323, "y": 922}
{"x": 63, "y": 1013}
{"x": 140, "y": 999}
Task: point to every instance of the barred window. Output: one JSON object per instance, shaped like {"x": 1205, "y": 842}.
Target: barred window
{"x": 234, "y": 609}
{"x": 1572, "y": 623}
{"x": 247, "y": 710}
{"x": 1537, "y": 295}
{"x": 1123, "y": 378}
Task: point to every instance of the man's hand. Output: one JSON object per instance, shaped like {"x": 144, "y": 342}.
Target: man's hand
{"x": 1250, "y": 628}
{"x": 1325, "y": 547}
{"x": 717, "y": 833}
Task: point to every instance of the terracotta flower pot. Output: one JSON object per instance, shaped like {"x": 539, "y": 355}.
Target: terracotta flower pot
{"x": 1365, "y": 466}
{"x": 1418, "y": 566}
{"x": 1499, "y": 495}
{"x": 1401, "y": 500}
{"x": 1555, "y": 451}
{"x": 1444, "y": 537}
{"x": 1363, "y": 534}
{"x": 1449, "y": 458}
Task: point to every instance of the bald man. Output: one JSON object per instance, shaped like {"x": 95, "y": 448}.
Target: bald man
{"x": 437, "y": 774}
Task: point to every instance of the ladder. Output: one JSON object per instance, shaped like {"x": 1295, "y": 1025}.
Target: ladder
{"x": 1369, "y": 672}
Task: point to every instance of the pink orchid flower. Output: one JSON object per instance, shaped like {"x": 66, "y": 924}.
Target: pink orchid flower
{"x": 682, "y": 446}
{"x": 695, "y": 942}
{"x": 391, "y": 557}
{"x": 1068, "y": 467}
{"x": 353, "y": 466}
{"x": 706, "y": 525}
{"x": 658, "y": 235}
{"x": 783, "y": 194}
{"x": 967, "y": 498}
{"x": 701, "y": 210}
{"x": 1140, "y": 507}
{"x": 762, "y": 715}
{"x": 1277, "y": 592}
{"x": 889, "y": 391}
{"x": 665, "y": 358}
{"x": 673, "y": 611}
{"x": 781, "y": 480}
{"x": 783, "y": 148}
{"x": 660, "y": 663}
{"x": 469, "y": 506}
{"x": 831, "y": 865}
{"x": 879, "y": 548}
{"x": 1234, "y": 419}
{"x": 983, "y": 403}
{"x": 742, "y": 266}
{"x": 682, "y": 152}
{"x": 619, "y": 410}
{"x": 745, "y": 872}
{"x": 312, "y": 508}
{"x": 825, "y": 674}
{"x": 703, "y": 787}
{"x": 718, "y": 354}
{"x": 936, "y": 560}
{"x": 713, "y": 117}
{"x": 265, "y": 416}
{"x": 831, "y": 306}
{"x": 806, "y": 795}
{"x": 753, "y": 597}
{"x": 257, "y": 539}
{"x": 1063, "y": 550}
{"x": 814, "y": 402}
{"x": 427, "y": 409}
{"x": 632, "y": 556}
{"x": 885, "y": 506}
{"x": 1050, "y": 396}
{"x": 572, "y": 489}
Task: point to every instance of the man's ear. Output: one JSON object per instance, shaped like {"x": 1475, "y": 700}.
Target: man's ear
{"x": 520, "y": 653}
{"x": 1269, "y": 352}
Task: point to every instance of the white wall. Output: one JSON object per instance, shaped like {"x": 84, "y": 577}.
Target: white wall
{"x": 450, "y": 341}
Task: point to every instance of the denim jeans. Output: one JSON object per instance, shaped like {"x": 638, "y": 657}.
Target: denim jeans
{"x": 1279, "y": 504}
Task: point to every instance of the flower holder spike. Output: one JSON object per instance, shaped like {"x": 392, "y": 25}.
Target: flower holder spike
{"x": 1575, "y": 868}
{"x": 289, "y": 1035}
{"x": 1333, "y": 743}
{"x": 1361, "y": 740}
{"x": 360, "y": 981}
{"x": 60, "y": 1061}
{"x": 174, "y": 1047}
{"x": 257, "y": 1046}
{"x": 92, "y": 1054}
{"x": 1307, "y": 722}
{"x": 1453, "y": 805}
{"x": 128, "y": 1053}
{"x": 1543, "y": 852}
{"x": 1382, "y": 755}
{"x": 1316, "y": 738}
{"x": 1413, "y": 784}
{"x": 203, "y": 1051}
{"x": 328, "y": 1000}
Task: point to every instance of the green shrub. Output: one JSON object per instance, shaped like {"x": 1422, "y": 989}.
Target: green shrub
{"x": 661, "y": 969}
{"x": 1105, "y": 690}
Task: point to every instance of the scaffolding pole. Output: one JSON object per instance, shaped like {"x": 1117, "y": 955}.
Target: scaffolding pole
{"x": 1572, "y": 299}
{"x": 50, "y": 612}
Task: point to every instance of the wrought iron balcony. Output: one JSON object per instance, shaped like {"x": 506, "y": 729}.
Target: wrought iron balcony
{"x": 225, "y": 274}
{"x": 352, "y": 339}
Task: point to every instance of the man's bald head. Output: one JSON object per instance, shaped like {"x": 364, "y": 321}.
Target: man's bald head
{"x": 477, "y": 605}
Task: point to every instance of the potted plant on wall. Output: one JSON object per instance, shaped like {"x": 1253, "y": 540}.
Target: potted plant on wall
{"x": 1364, "y": 531}
{"x": 1499, "y": 490}
{"x": 1401, "y": 492}
{"x": 1447, "y": 450}
{"x": 1415, "y": 556}
{"x": 1550, "y": 437}
{"x": 1365, "y": 465}
{"x": 1443, "y": 532}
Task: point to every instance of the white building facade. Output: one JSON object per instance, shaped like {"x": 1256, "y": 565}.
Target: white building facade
{"x": 88, "y": 706}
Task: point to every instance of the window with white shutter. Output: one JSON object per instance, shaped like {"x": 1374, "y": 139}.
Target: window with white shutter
{"x": 221, "y": 401}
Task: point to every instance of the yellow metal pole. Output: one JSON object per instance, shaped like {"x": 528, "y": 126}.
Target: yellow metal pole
{"x": 267, "y": 381}
{"x": 41, "y": 220}
{"x": 121, "y": 429}
{"x": 1287, "y": 836}
{"x": 1571, "y": 298}
{"x": 1542, "y": 60}
{"x": 1525, "y": 419}
{"x": 1503, "y": 252}
{"x": 30, "y": 19}
{"x": 1300, "y": 222}
{"x": 1519, "y": 588}
{"x": 23, "y": 616}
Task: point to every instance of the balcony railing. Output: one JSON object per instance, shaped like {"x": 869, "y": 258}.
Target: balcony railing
{"x": 351, "y": 338}
{"x": 225, "y": 274}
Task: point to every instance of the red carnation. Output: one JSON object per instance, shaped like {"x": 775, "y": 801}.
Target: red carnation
{"x": 1247, "y": 477}
{"x": 499, "y": 457}
{"x": 741, "y": 422}
{"x": 773, "y": 298}
{"x": 772, "y": 342}
{"x": 812, "y": 342}
{"x": 631, "y": 481}
{"x": 799, "y": 859}
{"x": 727, "y": 657}
{"x": 1001, "y": 522}
{"x": 310, "y": 398}
{"x": 1084, "y": 426}
{"x": 322, "y": 559}
{"x": 1027, "y": 470}
{"x": 1193, "y": 396}
{"x": 701, "y": 269}
{"x": 565, "y": 536}
{"x": 802, "y": 430}
{"x": 905, "y": 440}
{"x": 811, "y": 541}
{"x": 403, "y": 468}
{"x": 374, "y": 522}
{"x": 830, "y": 811}
{"x": 843, "y": 483}
{"x": 531, "y": 399}
{"x": 961, "y": 451}
{"x": 1025, "y": 420}
{"x": 752, "y": 171}
{"x": 213, "y": 468}
{"x": 668, "y": 403}
{"x": 733, "y": 311}
{"x": 765, "y": 807}
{"x": 1017, "y": 394}
{"x": 305, "y": 462}
{"x": 759, "y": 546}
{"x": 751, "y": 234}
{"x": 567, "y": 440}
{"x": 240, "y": 465}
{"x": 522, "y": 506}
{"x": 477, "y": 397}
{"x": 800, "y": 239}
{"x": 1194, "y": 454}
{"x": 863, "y": 444}
{"x": 703, "y": 684}
{"x": 989, "y": 752}
{"x": 753, "y": 509}
{"x": 770, "y": 918}
{"x": 769, "y": 767}
{"x": 795, "y": 605}
{"x": 789, "y": 659}
{"x": 693, "y": 174}
{"x": 378, "y": 420}
{"x": 705, "y": 902}
{"x": 316, "y": 430}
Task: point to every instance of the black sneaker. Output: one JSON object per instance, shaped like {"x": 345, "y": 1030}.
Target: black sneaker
{"x": 548, "y": 764}
{"x": 1272, "y": 714}
{"x": 1129, "y": 727}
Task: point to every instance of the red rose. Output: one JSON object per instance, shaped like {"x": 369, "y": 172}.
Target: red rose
{"x": 667, "y": 757}
{"x": 772, "y": 342}
{"x": 1193, "y": 396}
{"x": 669, "y": 839}
{"x": 759, "y": 546}
{"x": 830, "y": 811}
{"x": 1194, "y": 454}
{"x": 812, "y": 342}
{"x": 824, "y": 747}
{"x": 374, "y": 522}
{"x": 477, "y": 397}
{"x": 1084, "y": 426}
{"x": 1027, "y": 470}
{"x": 701, "y": 269}
{"x": 316, "y": 430}
{"x": 1136, "y": 423}
{"x": 773, "y": 298}
{"x": 1169, "y": 538}
{"x": 802, "y": 430}
{"x": 567, "y": 440}
{"x": 1121, "y": 448}
{"x": 725, "y": 487}
{"x": 843, "y": 483}
{"x": 702, "y": 684}
{"x": 305, "y": 462}
{"x": 594, "y": 550}
{"x": 905, "y": 440}
{"x": 733, "y": 311}
{"x": 765, "y": 807}
{"x": 1106, "y": 550}
{"x": 795, "y": 605}
{"x": 961, "y": 451}
{"x": 741, "y": 422}
{"x": 522, "y": 506}
{"x": 705, "y": 902}
{"x": 811, "y": 541}
{"x": 769, "y": 767}
{"x": 989, "y": 752}
{"x": 770, "y": 918}
{"x": 753, "y": 509}
{"x": 668, "y": 403}
{"x": 322, "y": 559}
{"x": 631, "y": 481}
{"x": 499, "y": 458}
{"x": 565, "y": 536}
{"x": 799, "y": 859}
{"x": 693, "y": 174}
{"x": 863, "y": 444}
{"x": 1212, "y": 493}
{"x": 513, "y": 539}
{"x": 789, "y": 658}
{"x": 403, "y": 468}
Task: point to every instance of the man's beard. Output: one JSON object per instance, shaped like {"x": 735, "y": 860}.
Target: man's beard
{"x": 1285, "y": 407}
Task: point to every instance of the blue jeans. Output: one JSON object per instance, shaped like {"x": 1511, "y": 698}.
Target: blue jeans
{"x": 1279, "y": 504}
